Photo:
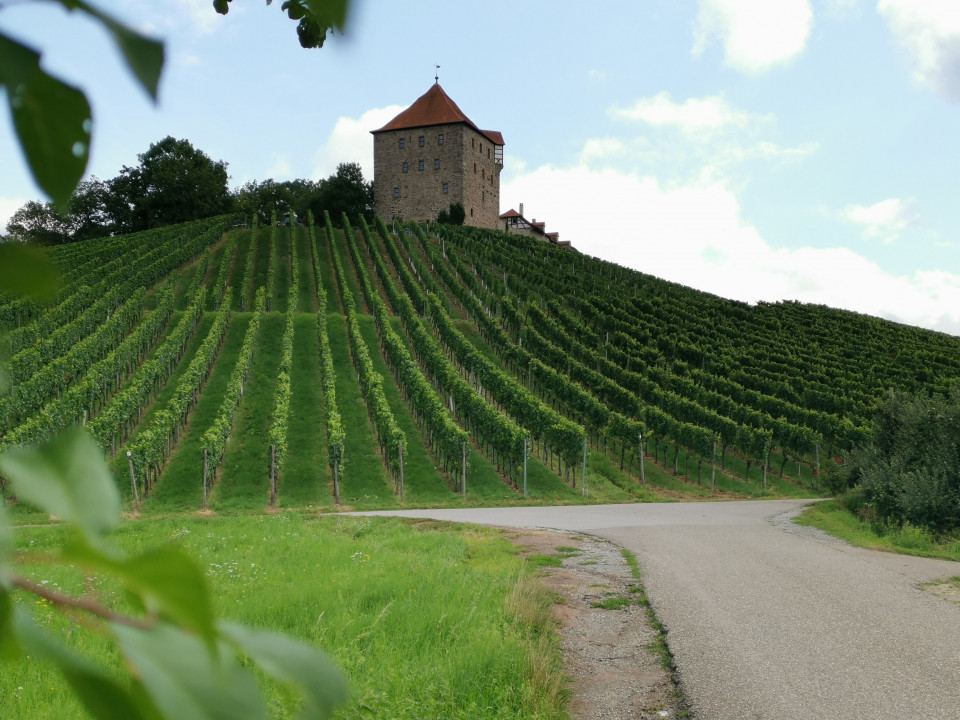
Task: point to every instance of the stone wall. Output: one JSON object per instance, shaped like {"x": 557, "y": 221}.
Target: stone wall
{"x": 463, "y": 161}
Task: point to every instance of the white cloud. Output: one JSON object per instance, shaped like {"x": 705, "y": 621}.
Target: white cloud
{"x": 691, "y": 116}
{"x": 929, "y": 32}
{"x": 694, "y": 233}
{"x": 756, "y": 34}
{"x": 350, "y": 141}
{"x": 8, "y": 206}
{"x": 601, "y": 148}
{"x": 885, "y": 220}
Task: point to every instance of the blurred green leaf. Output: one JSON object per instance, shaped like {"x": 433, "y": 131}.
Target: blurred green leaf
{"x": 184, "y": 680}
{"x": 331, "y": 12}
{"x": 100, "y": 694}
{"x": 168, "y": 580}
{"x": 52, "y": 120}
{"x": 144, "y": 55}
{"x": 66, "y": 477}
{"x": 27, "y": 271}
{"x": 9, "y": 648}
{"x": 288, "y": 660}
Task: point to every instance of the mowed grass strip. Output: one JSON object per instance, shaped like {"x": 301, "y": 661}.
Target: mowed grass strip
{"x": 119, "y": 465}
{"x": 423, "y": 483}
{"x": 244, "y": 243}
{"x": 181, "y": 485}
{"x": 281, "y": 285}
{"x": 364, "y": 481}
{"x": 426, "y": 620}
{"x": 306, "y": 477}
{"x": 306, "y": 281}
{"x": 245, "y": 471}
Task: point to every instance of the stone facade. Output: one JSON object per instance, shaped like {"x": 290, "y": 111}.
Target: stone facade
{"x": 421, "y": 169}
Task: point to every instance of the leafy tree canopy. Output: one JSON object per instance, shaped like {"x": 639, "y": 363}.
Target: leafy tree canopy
{"x": 345, "y": 191}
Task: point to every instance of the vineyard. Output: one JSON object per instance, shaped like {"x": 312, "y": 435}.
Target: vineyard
{"x": 229, "y": 366}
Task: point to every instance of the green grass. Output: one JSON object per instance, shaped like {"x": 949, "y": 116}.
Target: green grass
{"x": 614, "y": 602}
{"x": 244, "y": 477}
{"x": 307, "y": 478}
{"x": 244, "y": 244}
{"x": 306, "y": 281}
{"x": 364, "y": 482}
{"x": 831, "y": 517}
{"x": 119, "y": 466}
{"x": 423, "y": 482}
{"x": 181, "y": 485}
{"x": 426, "y": 620}
{"x": 281, "y": 282}
{"x": 540, "y": 560}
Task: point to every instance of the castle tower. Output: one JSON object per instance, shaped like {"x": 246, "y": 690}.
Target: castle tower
{"x": 432, "y": 155}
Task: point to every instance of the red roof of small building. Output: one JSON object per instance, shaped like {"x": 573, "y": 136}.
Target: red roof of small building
{"x": 509, "y": 214}
{"x": 435, "y": 107}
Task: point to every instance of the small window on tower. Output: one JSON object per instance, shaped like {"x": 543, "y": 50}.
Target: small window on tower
{"x": 421, "y": 164}
{"x": 396, "y": 192}
{"x": 440, "y": 139}
{"x": 436, "y": 164}
{"x": 446, "y": 188}
{"x": 404, "y": 167}
{"x": 474, "y": 168}
{"x": 402, "y": 141}
{"x": 421, "y": 141}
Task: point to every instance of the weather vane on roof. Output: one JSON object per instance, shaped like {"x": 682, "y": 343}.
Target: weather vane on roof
{"x": 436, "y": 76}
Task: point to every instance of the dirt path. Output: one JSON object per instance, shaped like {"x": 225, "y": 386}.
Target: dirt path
{"x": 614, "y": 673}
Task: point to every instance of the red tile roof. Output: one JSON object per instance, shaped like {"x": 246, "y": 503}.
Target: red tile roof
{"x": 509, "y": 214}
{"x": 435, "y": 107}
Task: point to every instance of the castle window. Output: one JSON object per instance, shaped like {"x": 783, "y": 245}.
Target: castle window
{"x": 471, "y": 212}
{"x": 483, "y": 174}
{"x": 404, "y": 167}
{"x": 402, "y": 141}
{"x": 396, "y": 192}
{"x": 421, "y": 164}
{"x": 473, "y": 142}
{"x": 436, "y": 164}
{"x": 440, "y": 139}
{"x": 446, "y": 188}
{"x": 474, "y": 168}
{"x": 421, "y": 141}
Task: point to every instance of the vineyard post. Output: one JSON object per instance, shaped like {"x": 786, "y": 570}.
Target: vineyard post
{"x": 273, "y": 475}
{"x": 133, "y": 481}
{"x": 205, "y": 466}
{"x": 463, "y": 470}
{"x": 815, "y": 481}
{"x": 583, "y": 473}
{"x": 643, "y": 479}
{"x": 400, "y": 448}
{"x": 336, "y": 481}
{"x": 526, "y": 450}
{"x": 713, "y": 468}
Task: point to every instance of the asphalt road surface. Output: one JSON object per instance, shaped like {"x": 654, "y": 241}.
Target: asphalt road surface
{"x": 766, "y": 622}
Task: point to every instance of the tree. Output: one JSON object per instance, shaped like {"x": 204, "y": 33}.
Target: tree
{"x": 454, "y": 216}
{"x": 40, "y": 223}
{"x": 174, "y": 182}
{"x": 266, "y": 196}
{"x": 89, "y": 212}
{"x": 345, "y": 192}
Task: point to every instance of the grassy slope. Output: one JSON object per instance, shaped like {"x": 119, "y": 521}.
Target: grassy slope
{"x": 307, "y": 478}
{"x": 245, "y": 474}
{"x": 181, "y": 486}
{"x": 426, "y": 621}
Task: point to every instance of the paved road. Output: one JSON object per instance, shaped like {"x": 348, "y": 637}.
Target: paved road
{"x": 770, "y": 624}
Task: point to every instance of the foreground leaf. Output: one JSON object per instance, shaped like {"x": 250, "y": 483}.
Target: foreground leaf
{"x": 184, "y": 680}
{"x": 100, "y": 694}
{"x": 52, "y": 120}
{"x": 66, "y": 477}
{"x": 27, "y": 271}
{"x": 168, "y": 580}
{"x": 288, "y": 660}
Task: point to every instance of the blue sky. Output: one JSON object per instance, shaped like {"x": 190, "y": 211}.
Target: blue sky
{"x": 757, "y": 149}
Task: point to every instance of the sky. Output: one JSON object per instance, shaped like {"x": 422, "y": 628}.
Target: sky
{"x": 761, "y": 150}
